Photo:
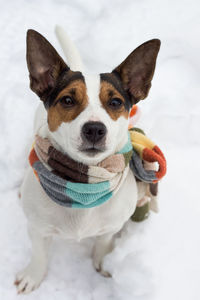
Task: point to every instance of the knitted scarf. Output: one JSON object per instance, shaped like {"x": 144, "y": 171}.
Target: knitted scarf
{"x": 73, "y": 184}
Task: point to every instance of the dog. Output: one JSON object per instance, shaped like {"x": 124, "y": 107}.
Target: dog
{"x": 86, "y": 117}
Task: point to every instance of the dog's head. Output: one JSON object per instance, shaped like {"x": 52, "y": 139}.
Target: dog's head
{"x": 87, "y": 116}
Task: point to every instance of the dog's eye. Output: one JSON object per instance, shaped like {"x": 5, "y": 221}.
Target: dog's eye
{"x": 67, "y": 101}
{"x": 115, "y": 103}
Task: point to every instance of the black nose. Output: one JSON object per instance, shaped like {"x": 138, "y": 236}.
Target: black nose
{"x": 94, "y": 131}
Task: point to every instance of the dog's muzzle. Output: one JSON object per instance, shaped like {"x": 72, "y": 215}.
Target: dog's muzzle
{"x": 94, "y": 132}
{"x": 93, "y": 137}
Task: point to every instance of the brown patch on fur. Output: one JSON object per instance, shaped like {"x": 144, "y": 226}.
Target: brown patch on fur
{"x": 58, "y": 114}
{"x": 107, "y": 92}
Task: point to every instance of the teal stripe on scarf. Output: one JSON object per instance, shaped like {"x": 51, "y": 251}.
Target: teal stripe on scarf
{"x": 88, "y": 187}
{"x": 85, "y": 194}
{"x": 98, "y": 202}
{"x": 127, "y": 147}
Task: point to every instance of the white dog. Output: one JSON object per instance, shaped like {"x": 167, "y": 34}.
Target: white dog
{"x": 86, "y": 117}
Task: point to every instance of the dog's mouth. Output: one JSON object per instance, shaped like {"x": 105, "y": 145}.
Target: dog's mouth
{"x": 92, "y": 150}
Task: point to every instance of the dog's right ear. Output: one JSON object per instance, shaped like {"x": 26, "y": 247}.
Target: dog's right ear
{"x": 44, "y": 64}
{"x": 136, "y": 71}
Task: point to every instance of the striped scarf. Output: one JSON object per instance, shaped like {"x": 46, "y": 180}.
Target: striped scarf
{"x": 73, "y": 184}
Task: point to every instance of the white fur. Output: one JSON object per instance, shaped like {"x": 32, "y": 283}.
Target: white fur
{"x": 47, "y": 219}
{"x": 71, "y": 53}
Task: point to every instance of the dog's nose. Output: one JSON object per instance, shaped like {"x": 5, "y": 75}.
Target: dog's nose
{"x": 94, "y": 131}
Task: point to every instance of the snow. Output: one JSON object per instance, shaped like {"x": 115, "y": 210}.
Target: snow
{"x": 159, "y": 258}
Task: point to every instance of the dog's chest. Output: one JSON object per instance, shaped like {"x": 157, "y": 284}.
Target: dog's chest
{"x": 72, "y": 223}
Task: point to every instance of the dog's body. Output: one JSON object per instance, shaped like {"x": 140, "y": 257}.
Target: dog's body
{"x": 75, "y": 223}
{"x": 64, "y": 128}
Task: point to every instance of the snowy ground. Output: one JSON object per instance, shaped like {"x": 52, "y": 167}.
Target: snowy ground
{"x": 155, "y": 260}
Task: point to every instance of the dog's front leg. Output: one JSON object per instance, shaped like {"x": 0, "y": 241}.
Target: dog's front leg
{"x": 30, "y": 278}
{"x": 104, "y": 244}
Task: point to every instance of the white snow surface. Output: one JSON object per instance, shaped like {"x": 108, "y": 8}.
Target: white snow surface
{"x": 154, "y": 260}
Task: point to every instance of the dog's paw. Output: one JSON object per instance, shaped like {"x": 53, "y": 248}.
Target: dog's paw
{"x": 99, "y": 268}
{"x": 28, "y": 280}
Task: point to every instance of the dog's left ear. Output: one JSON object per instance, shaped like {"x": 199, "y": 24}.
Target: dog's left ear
{"x": 136, "y": 71}
{"x": 44, "y": 64}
